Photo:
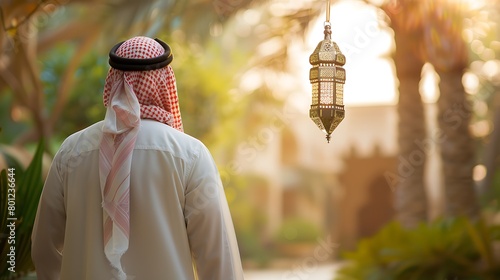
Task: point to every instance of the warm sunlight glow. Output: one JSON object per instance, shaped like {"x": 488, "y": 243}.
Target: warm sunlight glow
{"x": 471, "y": 4}
{"x": 251, "y": 81}
{"x": 470, "y": 82}
{"x": 370, "y": 76}
{"x": 479, "y": 172}
{"x": 367, "y": 45}
{"x": 428, "y": 84}
{"x": 481, "y": 128}
{"x": 491, "y": 68}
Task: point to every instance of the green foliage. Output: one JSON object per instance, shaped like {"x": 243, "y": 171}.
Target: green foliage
{"x": 9, "y": 130}
{"x": 213, "y": 107}
{"x": 443, "y": 250}
{"x": 207, "y": 80}
{"x": 252, "y": 248}
{"x": 491, "y": 198}
{"x": 297, "y": 230}
{"x": 28, "y": 187}
{"x": 85, "y": 104}
{"x": 249, "y": 219}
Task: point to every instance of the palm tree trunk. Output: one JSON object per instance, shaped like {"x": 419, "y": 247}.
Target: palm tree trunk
{"x": 457, "y": 146}
{"x": 410, "y": 196}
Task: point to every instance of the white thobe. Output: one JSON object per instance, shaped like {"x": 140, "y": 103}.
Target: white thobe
{"x": 179, "y": 217}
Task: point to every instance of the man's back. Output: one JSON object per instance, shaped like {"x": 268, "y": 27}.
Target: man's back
{"x": 177, "y": 205}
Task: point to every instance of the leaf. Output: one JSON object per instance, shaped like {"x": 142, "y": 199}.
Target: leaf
{"x": 443, "y": 249}
{"x": 482, "y": 241}
{"x": 30, "y": 188}
{"x": 29, "y": 185}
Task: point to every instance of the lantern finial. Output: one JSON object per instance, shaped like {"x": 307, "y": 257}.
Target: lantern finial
{"x": 327, "y": 79}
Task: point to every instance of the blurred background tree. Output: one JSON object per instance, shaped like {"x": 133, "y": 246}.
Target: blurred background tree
{"x": 459, "y": 41}
{"x": 431, "y": 31}
{"x": 482, "y": 83}
{"x": 54, "y": 56}
{"x": 53, "y": 61}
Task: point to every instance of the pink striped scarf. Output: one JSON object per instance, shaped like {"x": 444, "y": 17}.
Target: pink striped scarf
{"x": 128, "y": 97}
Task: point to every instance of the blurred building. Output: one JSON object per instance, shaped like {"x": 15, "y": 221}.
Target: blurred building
{"x": 344, "y": 186}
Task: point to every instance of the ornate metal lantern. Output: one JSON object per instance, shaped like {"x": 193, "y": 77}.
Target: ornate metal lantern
{"x": 327, "y": 79}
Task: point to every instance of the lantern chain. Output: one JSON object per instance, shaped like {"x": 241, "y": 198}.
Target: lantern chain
{"x": 327, "y": 12}
{"x": 328, "y": 25}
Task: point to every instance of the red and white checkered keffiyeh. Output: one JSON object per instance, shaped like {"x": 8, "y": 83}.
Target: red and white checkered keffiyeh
{"x": 130, "y": 96}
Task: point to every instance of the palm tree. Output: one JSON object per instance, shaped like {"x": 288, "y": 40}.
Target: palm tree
{"x": 424, "y": 33}
{"x": 29, "y": 32}
{"x": 446, "y": 50}
{"x": 410, "y": 197}
{"x": 25, "y": 36}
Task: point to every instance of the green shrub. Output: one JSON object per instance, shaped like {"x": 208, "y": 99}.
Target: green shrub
{"x": 28, "y": 187}
{"x": 453, "y": 249}
{"x": 297, "y": 230}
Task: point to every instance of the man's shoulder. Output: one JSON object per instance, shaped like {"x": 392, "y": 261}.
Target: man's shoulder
{"x": 159, "y": 136}
{"x": 152, "y": 135}
{"x": 87, "y": 139}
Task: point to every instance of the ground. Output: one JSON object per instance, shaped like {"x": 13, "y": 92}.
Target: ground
{"x": 299, "y": 271}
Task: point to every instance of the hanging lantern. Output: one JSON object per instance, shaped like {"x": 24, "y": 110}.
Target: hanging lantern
{"x": 327, "y": 79}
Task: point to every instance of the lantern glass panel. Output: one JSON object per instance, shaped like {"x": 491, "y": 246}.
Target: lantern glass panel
{"x": 339, "y": 94}
{"x": 326, "y": 95}
{"x": 315, "y": 93}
